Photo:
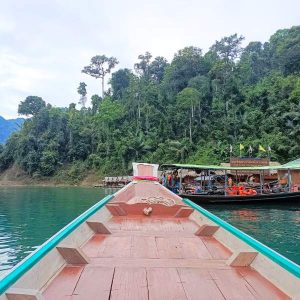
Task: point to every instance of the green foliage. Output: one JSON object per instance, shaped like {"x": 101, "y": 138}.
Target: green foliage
{"x": 31, "y": 106}
{"x": 48, "y": 162}
{"x": 190, "y": 110}
{"x": 82, "y": 89}
{"x": 120, "y": 81}
{"x": 100, "y": 66}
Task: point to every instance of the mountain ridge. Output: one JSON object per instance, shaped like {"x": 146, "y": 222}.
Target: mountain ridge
{"x": 8, "y": 126}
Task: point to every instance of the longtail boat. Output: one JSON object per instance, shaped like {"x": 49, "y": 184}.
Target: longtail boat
{"x": 145, "y": 242}
{"x": 291, "y": 193}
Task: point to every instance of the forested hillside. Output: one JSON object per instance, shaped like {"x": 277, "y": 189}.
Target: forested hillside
{"x": 7, "y": 127}
{"x": 188, "y": 110}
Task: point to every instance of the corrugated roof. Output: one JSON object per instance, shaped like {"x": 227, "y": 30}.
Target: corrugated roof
{"x": 292, "y": 165}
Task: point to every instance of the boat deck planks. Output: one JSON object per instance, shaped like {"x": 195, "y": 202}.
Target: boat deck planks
{"x": 129, "y": 284}
{"x": 157, "y": 258}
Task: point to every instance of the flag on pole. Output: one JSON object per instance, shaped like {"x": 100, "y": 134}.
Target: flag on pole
{"x": 261, "y": 148}
{"x": 250, "y": 150}
{"x": 242, "y": 147}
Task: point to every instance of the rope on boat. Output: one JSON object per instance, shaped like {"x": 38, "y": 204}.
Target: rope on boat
{"x": 158, "y": 200}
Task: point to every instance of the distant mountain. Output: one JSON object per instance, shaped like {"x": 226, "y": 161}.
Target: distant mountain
{"x": 7, "y": 127}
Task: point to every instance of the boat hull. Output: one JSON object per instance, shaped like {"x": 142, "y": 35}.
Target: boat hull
{"x": 146, "y": 242}
{"x": 282, "y": 198}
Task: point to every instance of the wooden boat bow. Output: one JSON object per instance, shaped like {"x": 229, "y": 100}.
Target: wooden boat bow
{"x": 145, "y": 242}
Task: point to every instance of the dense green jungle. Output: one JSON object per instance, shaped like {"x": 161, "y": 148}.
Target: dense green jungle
{"x": 190, "y": 109}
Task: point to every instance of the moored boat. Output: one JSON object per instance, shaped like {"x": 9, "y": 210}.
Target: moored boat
{"x": 238, "y": 194}
{"x": 145, "y": 242}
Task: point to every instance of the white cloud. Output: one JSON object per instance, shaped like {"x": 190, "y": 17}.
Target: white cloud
{"x": 45, "y": 44}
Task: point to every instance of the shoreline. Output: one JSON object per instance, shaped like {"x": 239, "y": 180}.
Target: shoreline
{"x": 46, "y": 184}
{"x": 15, "y": 177}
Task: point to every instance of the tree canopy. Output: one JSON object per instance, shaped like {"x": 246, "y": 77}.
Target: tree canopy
{"x": 31, "y": 106}
{"x": 190, "y": 110}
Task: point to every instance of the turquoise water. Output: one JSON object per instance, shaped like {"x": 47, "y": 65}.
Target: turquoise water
{"x": 30, "y": 215}
{"x": 277, "y": 226}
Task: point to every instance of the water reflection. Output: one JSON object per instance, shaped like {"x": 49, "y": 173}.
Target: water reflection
{"x": 276, "y": 226}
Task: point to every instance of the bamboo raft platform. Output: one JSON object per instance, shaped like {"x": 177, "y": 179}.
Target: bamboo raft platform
{"x": 145, "y": 242}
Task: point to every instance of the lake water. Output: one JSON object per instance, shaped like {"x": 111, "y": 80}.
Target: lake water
{"x": 30, "y": 215}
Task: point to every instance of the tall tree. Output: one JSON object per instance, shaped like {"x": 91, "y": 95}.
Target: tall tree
{"x": 119, "y": 82}
{"x": 157, "y": 68}
{"x": 82, "y": 92}
{"x": 229, "y": 47}
{"x": 142, "y": 67}
{"x": 100, "y": 66}
{"x": 31, "y": 106}
{"x": 96, "y": 100}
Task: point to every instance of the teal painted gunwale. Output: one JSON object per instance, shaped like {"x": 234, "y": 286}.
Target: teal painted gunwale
{"x": 39, "y": 253}
{"x": 263, "y": 249}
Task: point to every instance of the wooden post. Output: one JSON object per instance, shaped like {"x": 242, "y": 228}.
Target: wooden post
{"x": 260, "y": 179}
{"x": 209, "y": 183}
{"x": 289, "y": 181}
{"x": 225, "y": 183}
{"x": 201, "y": 180}
{"x": 180, "y": 182}
{"x": 263, "y": 178}
{"x": 236, "y": 177}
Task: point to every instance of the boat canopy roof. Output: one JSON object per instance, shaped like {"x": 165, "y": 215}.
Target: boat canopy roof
{"x": 294, "y": 164}
{"x": 291, "y": 165}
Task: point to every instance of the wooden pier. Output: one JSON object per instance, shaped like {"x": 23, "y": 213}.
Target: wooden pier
{"x": 118, "y": 181}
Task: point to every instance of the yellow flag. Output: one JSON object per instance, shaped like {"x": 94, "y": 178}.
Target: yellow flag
{"x": 242, "y": 147}
{"x": 261, "y": 148}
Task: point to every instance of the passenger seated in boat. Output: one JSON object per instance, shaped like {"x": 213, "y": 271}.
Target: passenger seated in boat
{"x": 164, "y": 179}
{"x": 198, "y": 189}
{"x": 230, "y": 182}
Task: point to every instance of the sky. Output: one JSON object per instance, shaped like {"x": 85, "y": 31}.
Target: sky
{"x": 45, "y": 44}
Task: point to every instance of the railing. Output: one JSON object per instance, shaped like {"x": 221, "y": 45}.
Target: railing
{"x": 40, "y": 252}
{"x": 268, "y": 252}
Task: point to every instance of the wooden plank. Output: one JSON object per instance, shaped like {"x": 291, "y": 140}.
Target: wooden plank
{"x": 231, "y": 284}
{"x": 73, "y": 256}
{"x": 133, "y": 224}
{"x": 183, "y": 212}
{"x": 115, "y": 209}
{"x": 171, "y": 225}
{"x": 209, "y": 264}
{"x": 154, "y": 233}
{"x": 115, "y": 247}
{"x": 168, "y": 247}
{"x": 215, "y": 248}
{"x": 63, "y": 284}
{"x": 94, "y": 283}
{"x": 23, "y": 294}
{"x": 91, "y": 248}
{"x": 98, "y": 227}
{"x": 144, "y": 247}
{"x": 150, "y": 224}
{"x": 261, "y": 287}
{"x": 114, "y": 223}
{"x": 198, "y": 284}
{"x": 207, "y": 230}
{"x": 242, "y": 259}
{"x": 129, "y": 284}
{"x": 189, "y": 225}
{"x": 164, "y": 283}
{"x": 193, "y": 247}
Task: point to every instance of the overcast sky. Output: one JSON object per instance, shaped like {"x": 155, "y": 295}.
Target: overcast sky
{"x": 45, "y": 44}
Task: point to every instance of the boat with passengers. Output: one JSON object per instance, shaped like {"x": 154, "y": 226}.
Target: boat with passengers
{"x": 226, "y": 184}
{"x": 145, "y": 242}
